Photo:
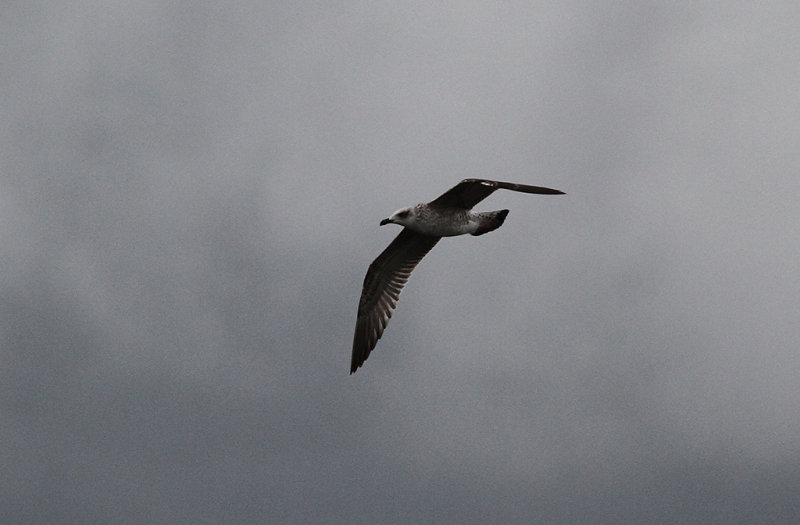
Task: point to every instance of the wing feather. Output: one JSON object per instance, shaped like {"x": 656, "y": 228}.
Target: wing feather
{"x": 470, "y": 192}
{"x": 383, "y": 283}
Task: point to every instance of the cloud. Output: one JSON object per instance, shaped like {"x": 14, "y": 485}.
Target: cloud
{"x": 191, "y": 196}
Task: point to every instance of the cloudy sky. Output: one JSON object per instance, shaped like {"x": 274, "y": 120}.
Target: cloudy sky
{"x": 190, "y": 195}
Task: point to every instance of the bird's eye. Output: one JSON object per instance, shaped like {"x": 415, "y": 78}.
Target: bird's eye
{"x": 403, "y": 214}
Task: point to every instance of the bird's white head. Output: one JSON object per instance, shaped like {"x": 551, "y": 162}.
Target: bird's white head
{"x": 403, "y": 217}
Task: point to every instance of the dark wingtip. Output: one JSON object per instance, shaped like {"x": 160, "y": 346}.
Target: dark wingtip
{"x": 357, "y": 360}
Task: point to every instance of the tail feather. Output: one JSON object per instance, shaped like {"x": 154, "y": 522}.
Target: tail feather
{"x": 490, "y": 220}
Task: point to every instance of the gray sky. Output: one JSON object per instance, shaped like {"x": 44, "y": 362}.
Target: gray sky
{"x": 190, "y": 198}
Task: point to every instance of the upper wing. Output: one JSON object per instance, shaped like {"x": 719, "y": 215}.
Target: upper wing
{"x": 470, "y": 192}
{"x": 383, "y": 283}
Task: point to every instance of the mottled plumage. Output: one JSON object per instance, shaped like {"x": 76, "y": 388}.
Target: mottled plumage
{"x": 424, "y": 224}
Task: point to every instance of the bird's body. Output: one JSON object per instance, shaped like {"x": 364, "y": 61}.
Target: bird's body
{"x": 424, "y": 224}
{"x": 441, "y": 222}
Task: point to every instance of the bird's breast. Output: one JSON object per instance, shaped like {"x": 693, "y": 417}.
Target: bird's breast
{"x": 444, "y": 223}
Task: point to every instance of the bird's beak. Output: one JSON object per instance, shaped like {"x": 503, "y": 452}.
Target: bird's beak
{"x": 384, "y": 222}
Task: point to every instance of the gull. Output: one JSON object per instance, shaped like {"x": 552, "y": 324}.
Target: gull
{"x": 448, "y": 215}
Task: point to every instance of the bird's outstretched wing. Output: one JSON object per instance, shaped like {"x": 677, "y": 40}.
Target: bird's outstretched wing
{"x": 470, "y": 192}
{"x": 383, "y": 283}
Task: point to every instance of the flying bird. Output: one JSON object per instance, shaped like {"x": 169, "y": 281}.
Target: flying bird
{"x": 448, "y": 215}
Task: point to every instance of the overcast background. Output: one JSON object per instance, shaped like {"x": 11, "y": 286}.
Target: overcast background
{"x": 189, "y": 199}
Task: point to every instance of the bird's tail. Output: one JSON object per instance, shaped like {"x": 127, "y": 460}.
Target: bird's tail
{"x": 489, "y": 221}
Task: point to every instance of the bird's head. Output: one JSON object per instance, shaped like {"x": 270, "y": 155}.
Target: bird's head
{"x": 402, "y": 217}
